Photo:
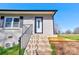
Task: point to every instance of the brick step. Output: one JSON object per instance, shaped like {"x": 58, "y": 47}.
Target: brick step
{"x": 38, "y": 44}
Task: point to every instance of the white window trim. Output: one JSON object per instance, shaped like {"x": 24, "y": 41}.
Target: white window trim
{"x": 11, "y": 23}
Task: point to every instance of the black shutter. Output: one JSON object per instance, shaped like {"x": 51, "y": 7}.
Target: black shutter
{"x": 21, "y": 17}
{"x": 21, "y": 21}
{"x": 2, "y": 19}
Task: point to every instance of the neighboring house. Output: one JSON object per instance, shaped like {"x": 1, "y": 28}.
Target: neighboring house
{"x": 13, "y": 23}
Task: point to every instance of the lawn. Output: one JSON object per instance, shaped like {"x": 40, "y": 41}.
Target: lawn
{"x": 53, "y": 49}
{"x": 72, "y": 37}
{"x": 10, "y": 51}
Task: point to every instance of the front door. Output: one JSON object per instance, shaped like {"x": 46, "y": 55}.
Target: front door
{"x": 38, "y": 25}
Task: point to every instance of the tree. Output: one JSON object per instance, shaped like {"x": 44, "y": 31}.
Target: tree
{"x": 76, "y": 30}
{"x": 68, "y": 32}
{"x": 56, "y": 29}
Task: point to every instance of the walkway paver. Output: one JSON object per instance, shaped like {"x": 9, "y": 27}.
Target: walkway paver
{"x": 38, "y": 45}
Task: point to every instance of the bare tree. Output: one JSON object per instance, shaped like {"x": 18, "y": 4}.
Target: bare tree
{"x": 68, "y": 32}
{"x": 56, "y": 29}
{"x": 76, "y": 30}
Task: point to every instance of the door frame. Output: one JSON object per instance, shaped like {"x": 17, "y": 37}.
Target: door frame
{"x": 35, "y": 25}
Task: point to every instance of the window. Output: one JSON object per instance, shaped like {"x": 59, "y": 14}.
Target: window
{"x": 12, "y": 22}
{"x": 16, "y": 22}
{"x": 8, "y": 22}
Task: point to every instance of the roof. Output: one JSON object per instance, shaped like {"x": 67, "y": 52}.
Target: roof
{"x": 24, "y": 12}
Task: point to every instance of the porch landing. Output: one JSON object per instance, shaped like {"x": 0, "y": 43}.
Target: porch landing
{"x": 38, "y": 45}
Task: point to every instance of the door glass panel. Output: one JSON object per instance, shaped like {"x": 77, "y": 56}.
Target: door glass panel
{"x": 38, "y": 25}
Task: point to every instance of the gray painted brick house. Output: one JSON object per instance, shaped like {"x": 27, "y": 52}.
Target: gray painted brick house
{"x": 14, "y": 23}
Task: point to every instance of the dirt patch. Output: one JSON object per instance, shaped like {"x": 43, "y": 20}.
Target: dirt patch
{"x": 71, "y": 48}
{"x": 65, "y": 47}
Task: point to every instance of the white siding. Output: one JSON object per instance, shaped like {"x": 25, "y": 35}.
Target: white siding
{"x": 47, "y": 23}
{"x": 48, "y": 26}
{"x": 29, "y": 20}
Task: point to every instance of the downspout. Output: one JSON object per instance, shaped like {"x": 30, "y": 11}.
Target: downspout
{"x": 53, "y": 21}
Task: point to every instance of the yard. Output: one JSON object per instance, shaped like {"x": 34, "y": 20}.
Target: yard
{"x": 71, "y": 36}
{"x": 65, "y": 44}
{"x": 10, "y": 51}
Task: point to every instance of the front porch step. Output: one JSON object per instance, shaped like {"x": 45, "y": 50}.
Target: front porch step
{"x": 38, "y": 45}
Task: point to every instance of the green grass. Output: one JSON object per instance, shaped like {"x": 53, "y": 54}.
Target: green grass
{"x": 72, "y": 37}
{"x": 53, "y": 49}
{"x": 10, "y": 51}
{"x": 22, "y": 51}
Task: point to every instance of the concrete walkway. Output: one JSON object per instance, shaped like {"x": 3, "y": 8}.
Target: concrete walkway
{"x": 38, "y": 45}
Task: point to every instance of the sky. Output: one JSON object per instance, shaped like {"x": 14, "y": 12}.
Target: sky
{"x": 67, "y": 16}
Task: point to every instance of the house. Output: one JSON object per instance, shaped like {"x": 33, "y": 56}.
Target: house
{"x": 13, "y": 24}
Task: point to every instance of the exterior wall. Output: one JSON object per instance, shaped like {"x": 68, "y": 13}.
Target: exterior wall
{"x": 47, "y": 23}
{"x": 5, "y": 33}
{"x": 14, "y": 34}
{"x": 27, "y": 20}
{"x": 9, "y": 35}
